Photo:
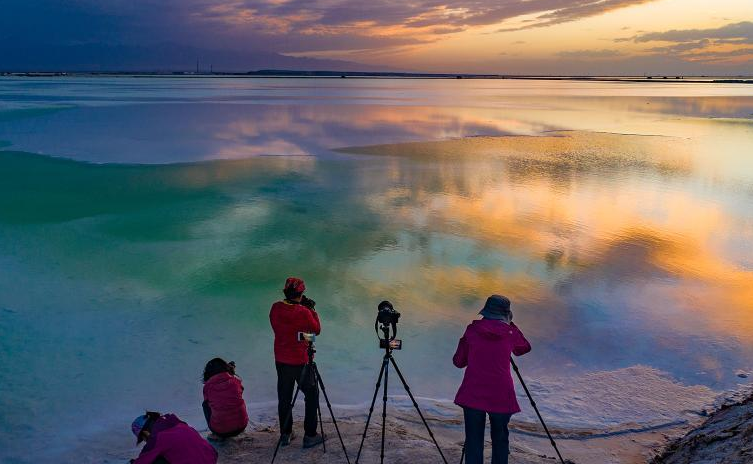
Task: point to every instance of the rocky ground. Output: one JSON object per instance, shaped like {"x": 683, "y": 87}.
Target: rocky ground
{"x": 726, "y": 437}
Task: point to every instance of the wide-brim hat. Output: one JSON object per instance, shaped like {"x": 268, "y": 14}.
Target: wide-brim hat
{"x": 497, "y": 307}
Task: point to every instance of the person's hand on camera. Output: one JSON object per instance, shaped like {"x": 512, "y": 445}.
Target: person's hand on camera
{"x": 308, "y": 302}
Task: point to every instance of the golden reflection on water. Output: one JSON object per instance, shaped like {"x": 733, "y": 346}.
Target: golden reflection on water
{"x": 569, "y": 209}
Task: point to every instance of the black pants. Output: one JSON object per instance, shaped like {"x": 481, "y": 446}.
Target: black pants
{"x": 287, "y": 377}
{"x": 208, "y": 417}
{"x": 475, "y": 425}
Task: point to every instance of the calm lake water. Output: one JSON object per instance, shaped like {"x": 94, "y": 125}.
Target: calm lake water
{"x": 147, "y": 224}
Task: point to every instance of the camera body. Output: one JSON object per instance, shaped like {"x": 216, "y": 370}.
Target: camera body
{"x": 308, "y": 302}
{"x": 386, "y": 314}
{"x": 306, "y": 337}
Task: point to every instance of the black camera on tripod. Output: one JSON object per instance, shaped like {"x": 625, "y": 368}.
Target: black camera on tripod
{"x": 386, "y": 322}
{"x": 388, "y": 317}
{"x": 386, "y": 313}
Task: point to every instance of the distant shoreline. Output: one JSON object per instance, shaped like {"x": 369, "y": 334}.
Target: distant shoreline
{"x": 392, "y": 75}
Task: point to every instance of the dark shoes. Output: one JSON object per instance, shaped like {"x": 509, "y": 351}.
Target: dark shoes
{"x": 311, "y": 441}
{"x": 286, "y": 438}
{"x": 308, "y": 441}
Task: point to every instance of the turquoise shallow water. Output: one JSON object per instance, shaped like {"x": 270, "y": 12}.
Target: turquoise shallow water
{"x": 145, "y": 228}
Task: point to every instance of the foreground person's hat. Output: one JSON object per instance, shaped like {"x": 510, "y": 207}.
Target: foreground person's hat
{"x": 295, "y": 284}
{"x": 142, "y": 422}
{"x": 497, "y": 307}
{"x": 137, "y": 426}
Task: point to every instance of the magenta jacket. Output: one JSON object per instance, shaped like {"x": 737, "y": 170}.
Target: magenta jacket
{"x": 224, "y": 393}
{"x": 484, "y": 350}
{"x": 177, "y": 442}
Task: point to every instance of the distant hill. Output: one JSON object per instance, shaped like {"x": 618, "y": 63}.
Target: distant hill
{"x": 158, "y": 58}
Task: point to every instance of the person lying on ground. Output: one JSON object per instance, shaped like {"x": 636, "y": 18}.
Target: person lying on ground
{"x": 487, "y": 388}
{"x": 169, "y": 440}
{"x": 224, "y": 408}
{"x": 295, "y": 314}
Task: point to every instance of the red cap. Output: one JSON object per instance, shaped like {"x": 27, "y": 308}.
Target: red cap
{"x": 295, "y": 284}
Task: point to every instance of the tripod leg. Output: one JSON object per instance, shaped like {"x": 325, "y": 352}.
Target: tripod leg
{"x": 321, "y": 427}
{"x": 332, "y": 414}
{"x": 285, "y": 423}
{"x": 371, "y": 408}
{"x": 315, "y": 373}
{"x": 533, "y": 403}
{"x": 415, "y": 405}
{"x": 384, "y": 409}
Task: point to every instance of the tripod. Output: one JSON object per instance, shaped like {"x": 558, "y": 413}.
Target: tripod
{"x": 312, "y": 369}
{"x": 384, "y": 372}
{"x": 533, "y": 403}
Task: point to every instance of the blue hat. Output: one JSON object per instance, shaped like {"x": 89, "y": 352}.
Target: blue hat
{"x": 138, "y": 425}
{"x": 497, "y": 307}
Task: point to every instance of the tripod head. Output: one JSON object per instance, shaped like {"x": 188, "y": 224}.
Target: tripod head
{"x": 387, "y": 342}
{"x": 310, "y": 350}
{"x": 309, "y": 338}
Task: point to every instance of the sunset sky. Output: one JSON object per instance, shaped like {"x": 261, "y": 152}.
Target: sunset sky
{"x": 477, "y": 36}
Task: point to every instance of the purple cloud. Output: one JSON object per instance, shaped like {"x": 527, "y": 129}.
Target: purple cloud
{"x": 741, "y": 32}
{"x": 590, "y": 54}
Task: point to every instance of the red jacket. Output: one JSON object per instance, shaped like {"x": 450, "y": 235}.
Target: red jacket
{"x": 485, "y": 351}
{"x": 224, "y": 393}
{"x": 174, "y": 440}
{"x": 287, "y": 320}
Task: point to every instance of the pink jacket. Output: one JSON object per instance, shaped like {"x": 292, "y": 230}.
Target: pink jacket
{"x": 224, "y": 393}
{"x": 177, "y": 442}
{"x": 484, "y": 350}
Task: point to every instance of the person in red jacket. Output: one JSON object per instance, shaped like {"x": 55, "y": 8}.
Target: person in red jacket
{"x": 288, "y": 318}
{"x": 223, "y": 404}
{"x": 169, "y": 440}
{"x": 487, "y": 388}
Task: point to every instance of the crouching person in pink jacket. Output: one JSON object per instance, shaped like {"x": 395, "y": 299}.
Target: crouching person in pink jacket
{"x": 224, "y": 408}
{"x": 169, "y": 440}
{"x": 487, "y": 388}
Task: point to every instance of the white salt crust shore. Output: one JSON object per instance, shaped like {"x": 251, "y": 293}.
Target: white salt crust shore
{"x": 624, "y": 416}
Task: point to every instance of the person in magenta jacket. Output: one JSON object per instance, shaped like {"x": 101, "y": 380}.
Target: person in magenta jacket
{"x": 294, "y": 314}
{"x": 484, "y": 351}
{"x": 169, "y": 440}
{"x": 224, "y": 408}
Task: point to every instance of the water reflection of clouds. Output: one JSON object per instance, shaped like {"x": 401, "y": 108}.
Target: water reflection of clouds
{"x": 314, "y": 130}
{"x": 615, "y": 240}
{"x": 699, "y": 106}
{"x": 164, "y": 133}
